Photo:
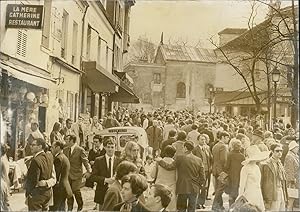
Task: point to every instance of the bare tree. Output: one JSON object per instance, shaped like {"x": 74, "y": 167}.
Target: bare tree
{"x": 257, "y": 51}
{"x": 142, "y": 50}
{"x": 285, "y": 25}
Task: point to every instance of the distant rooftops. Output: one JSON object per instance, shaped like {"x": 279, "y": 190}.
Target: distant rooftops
{"x": 232, "y": 31}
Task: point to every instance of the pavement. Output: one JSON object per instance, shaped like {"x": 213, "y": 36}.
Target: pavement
{"x": 17, "y": 200}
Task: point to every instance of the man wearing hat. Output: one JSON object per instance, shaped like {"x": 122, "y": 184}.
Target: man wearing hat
{"x": 190, "y": 171}
{"x": 273, "y": 180}
{"x": 291, "y": 167}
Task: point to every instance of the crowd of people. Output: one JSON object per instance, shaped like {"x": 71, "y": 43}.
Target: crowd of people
{"x": 191, "y": 152}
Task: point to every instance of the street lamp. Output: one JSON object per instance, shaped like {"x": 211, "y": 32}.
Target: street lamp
{"x": 275, "y": 79}
{"x": 210, "y": 99}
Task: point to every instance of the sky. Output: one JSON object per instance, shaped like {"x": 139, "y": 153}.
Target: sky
{"x": 190, "y": 21}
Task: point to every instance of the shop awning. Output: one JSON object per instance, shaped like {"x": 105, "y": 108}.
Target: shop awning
{"x": 236, "y": 98}
{"x": 100, "y": 80}
{"x": 125, "y": 95}
{"x": 27, "y": 75}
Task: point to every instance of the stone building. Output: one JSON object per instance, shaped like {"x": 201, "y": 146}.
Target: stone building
{"x": 179, "y": 78}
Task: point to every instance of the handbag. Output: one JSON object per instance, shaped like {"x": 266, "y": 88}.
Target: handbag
{"x": 223, "y": 178}
{"x": 241, "y": 200}
{"x": 293, "y": 193}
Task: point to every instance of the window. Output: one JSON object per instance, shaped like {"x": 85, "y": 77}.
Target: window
{"x": 119, "y": 17}
{"x": 99, "y": 50}
{"x": 88, "y": 43}
{"x": 157, "y": 78}
{"x": 180, "y": 90}
{"x": 70, "y": 105}
{"x": 22, "y": 43}
{"x": 64, "y": 40}
{"x": 46, "y": 25}
{"x": 74, "y": 42}
{"x": 117, "y": 58}
{"x": 106, "y": 59}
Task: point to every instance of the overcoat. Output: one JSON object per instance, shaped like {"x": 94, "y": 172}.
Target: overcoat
{"x": 268, "y": 182}
{"x": 155, "y": 137}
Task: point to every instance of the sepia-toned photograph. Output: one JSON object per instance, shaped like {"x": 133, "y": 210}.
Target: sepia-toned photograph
{"x": 149, "y": 105}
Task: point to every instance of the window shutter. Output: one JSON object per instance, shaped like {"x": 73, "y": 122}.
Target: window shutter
{"x": 22, "y": 43}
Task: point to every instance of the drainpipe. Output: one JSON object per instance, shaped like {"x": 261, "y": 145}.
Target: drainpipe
{"x": 81, "y": 97}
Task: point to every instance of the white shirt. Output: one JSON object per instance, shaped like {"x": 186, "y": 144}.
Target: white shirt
{"x": 145, "y": 123}
{"x": 112, "y": 164}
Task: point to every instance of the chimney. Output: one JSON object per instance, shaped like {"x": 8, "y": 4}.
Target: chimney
{"x": 162, "y": 39}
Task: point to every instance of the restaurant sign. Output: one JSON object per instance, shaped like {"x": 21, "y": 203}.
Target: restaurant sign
{"x": 24, "y": 16}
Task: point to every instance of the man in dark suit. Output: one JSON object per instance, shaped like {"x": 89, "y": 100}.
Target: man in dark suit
{"x": 67, "y": 130}
{"x": 104, "y": 170}
{"x": 190, "y": 177}
{"x": 62, "y": 190}
{"x": 202, "y": 151}
{"x": 219, "y": 152}
{"x": 113, "y": 194}
{"x": 155, "y": 137}
{"x": 171, "y": 139}
{"x": 96, "y": 151}
{"x": 40, "y": 169}
{"x": 77, "y": 156}
{"x": 158, "y": 198}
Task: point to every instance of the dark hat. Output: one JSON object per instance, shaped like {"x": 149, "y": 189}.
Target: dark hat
{"x": 258, "y": 133}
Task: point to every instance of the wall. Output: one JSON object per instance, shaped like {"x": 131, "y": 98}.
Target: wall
{"x": 142, "y": 75}
{"x": 196, "y": 76}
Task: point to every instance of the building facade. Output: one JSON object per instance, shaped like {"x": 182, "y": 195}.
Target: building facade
{"x": 60, "y": 59}
{"x": 235, "y": 98}
{"x": 179, "y": 78}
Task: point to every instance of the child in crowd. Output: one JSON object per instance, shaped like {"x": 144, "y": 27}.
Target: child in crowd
{"x": 149, "y": 164}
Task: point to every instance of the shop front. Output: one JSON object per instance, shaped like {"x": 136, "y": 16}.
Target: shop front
{"x": 98, "y": 87}
{"x": 24, "y": 98}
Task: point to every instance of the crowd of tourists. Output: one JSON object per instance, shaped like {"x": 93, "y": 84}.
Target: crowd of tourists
{"x": 191, "y": 152}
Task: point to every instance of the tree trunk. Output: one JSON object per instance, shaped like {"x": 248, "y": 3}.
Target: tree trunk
{"x": 295, "y": 97}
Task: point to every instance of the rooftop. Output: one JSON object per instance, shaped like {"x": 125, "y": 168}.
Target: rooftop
{"x": 232, "y": 31}
{"x": 188, "y": 54}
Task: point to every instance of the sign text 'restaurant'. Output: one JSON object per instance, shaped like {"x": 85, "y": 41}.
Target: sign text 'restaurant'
{"x": 24, "y": 16}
